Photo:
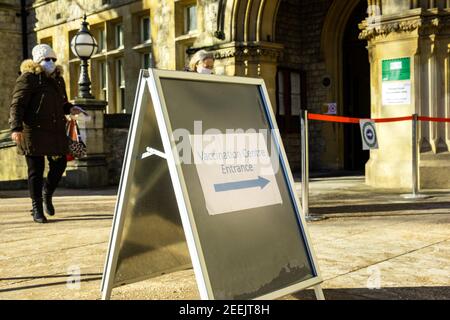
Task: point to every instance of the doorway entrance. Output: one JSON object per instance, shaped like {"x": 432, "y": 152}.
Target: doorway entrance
{"x": 356, "y": 88}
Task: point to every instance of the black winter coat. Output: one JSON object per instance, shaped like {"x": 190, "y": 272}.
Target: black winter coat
{"x": 38, "y": 110}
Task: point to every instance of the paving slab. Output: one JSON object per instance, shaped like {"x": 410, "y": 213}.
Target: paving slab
{"x": 374, "y": 245}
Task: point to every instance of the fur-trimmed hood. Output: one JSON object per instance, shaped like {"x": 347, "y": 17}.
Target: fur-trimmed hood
{"x": 30, "y": 66}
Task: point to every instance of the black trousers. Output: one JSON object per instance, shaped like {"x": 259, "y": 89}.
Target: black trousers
{"x": 36, "y": 165}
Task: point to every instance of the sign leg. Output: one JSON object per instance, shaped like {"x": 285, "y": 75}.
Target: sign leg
{"x": 305, "y": 169}
{"x": 319, "y": 292}
{"x": 106, "y": 293}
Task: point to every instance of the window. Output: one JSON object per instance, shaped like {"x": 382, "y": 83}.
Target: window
{"x": 74, "y": 72}
{"x": 146, "y": 60}
{"x": 103, "y": 81}
{"x": 145, "y": 29}
{"x": 291, "y": 99}
{"x": 47, "y": 40}
{"x": 72, "y": 34}
{"x": 191, "y": 19}
{"x": 119, "y": 36}
{"x": 296, "y": 104}
{"x": 120, "y": 86}
{"x": 101, "y": 40}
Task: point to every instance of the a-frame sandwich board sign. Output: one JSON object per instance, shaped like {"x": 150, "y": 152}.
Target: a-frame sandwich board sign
{"x": 206, "y": 182}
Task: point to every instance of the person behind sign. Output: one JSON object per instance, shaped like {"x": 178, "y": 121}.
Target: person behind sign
{"x": 202, "y": 62}
{"x": 37, "y": 121}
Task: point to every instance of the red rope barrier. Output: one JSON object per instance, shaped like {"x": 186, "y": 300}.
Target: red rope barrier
{"x": 384, "y": 120}
{"x": 340, "y": 119}
{"x": 434, "y": 119}
{"x": 323, "y": 117}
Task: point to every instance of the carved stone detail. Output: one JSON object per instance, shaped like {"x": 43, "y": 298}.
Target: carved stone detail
{"x": 248, "y": 51}
{"x": 372, "y": 29}
{"x": 370, "y": 32}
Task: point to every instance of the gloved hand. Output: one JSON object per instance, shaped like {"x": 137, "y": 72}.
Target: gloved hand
{"x": 16, "y": 137}
{"x": 77, "y": 110}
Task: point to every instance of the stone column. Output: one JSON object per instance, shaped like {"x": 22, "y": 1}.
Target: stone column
{"x": 255, "y": 59}
{"x": 421, "y": 34}
{"x": 90, "y": 171}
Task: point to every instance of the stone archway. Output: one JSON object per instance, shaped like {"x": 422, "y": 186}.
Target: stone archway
{"x": 332, "y": 48}
{"x": 356, "y": 89}
{"x": 252, "y": 20}
{"x": 249, "y": 49}
{"x": 253, "y": 23}
{"x": 331, "y": 45}
{"x": 243, "y": 42}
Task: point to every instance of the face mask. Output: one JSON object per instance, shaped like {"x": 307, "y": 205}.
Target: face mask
{"x": 203, "y": 70}
{"x": 48, "y": 66}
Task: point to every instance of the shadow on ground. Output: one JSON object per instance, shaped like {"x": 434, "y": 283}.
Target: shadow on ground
{"x": 62, "y": 192}
{"x": 397, "y": 293}
{"x": 388, "y": 207}
{"x": 50, "y": 284}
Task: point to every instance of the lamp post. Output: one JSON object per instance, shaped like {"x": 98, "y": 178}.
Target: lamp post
{"x": 91, "y": 170}
{"x": 84, "y": 45}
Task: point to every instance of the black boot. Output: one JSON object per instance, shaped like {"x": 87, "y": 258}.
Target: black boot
{"x": 38, "y": 211}
{"x": 48, "y": 204}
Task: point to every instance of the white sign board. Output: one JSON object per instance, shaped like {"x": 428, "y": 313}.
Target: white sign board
{"x": 396, "y": 93}
{"x": 396, "y": 79}
{"x": 235, "y": 172}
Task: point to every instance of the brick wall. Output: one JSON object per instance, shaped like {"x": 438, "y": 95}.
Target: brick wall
{"x": 299, "y": 29}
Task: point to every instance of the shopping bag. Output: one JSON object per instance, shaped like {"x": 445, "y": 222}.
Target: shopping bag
{"x": 77, "y": 148}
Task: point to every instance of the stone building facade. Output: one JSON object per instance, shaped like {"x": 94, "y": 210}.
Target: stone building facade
{"x": 312, "y": 54}
{"x": 11, "y": 53}
{"x": 418, "y": 31}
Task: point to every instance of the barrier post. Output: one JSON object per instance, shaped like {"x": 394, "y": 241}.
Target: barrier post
{"x": 305, "y": 164}
{"x": 415, "y": 161}
{"x": 305, "y": 167}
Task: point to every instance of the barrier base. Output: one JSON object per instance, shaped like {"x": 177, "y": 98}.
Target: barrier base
{"x": 313, "y": 218}
{"x": 416, "y": 196}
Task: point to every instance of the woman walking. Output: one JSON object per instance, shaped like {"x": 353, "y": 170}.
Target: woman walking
{"x": 37, "y": 120}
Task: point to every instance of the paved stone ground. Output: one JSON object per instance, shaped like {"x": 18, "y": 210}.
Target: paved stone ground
{"x": 371, "y": 237}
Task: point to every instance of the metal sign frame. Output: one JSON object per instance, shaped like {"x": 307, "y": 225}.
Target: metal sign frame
{"x": 151, "y": 78}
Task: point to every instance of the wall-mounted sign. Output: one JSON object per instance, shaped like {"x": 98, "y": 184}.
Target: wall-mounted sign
{"x": 331, "y": 108}
{"x": 396, "y": 93}
{"x": 368, "y": 134}
{"x": 396, "y": 69}
{"x": 396, "y": 81}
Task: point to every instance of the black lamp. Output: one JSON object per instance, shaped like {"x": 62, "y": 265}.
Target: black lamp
{"x": 84, "y": 45}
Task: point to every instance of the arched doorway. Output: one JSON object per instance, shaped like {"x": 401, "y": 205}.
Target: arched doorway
{"x": 317, "y": 43}
{"x": 356, "y": 88}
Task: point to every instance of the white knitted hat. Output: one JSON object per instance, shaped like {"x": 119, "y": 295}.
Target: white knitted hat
{"x": 42, "y": 51}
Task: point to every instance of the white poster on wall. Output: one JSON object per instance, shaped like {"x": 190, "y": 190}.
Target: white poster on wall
{"x": 396, "y": 93}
